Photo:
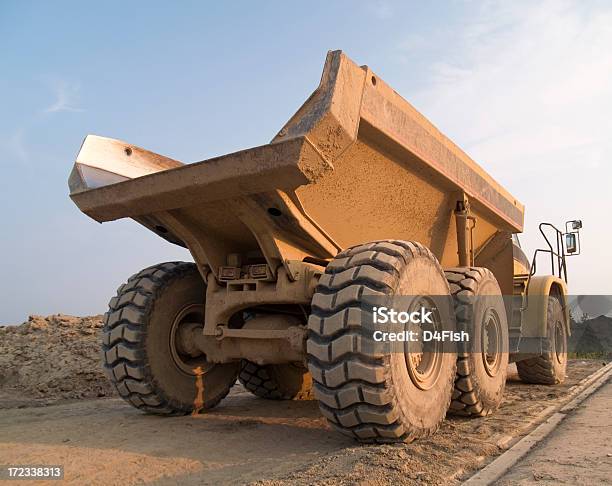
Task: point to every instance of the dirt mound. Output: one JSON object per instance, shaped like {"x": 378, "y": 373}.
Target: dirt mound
{"x": 51, "y": 358}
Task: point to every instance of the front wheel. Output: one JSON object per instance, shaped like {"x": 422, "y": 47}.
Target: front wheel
{"x": 549, "y": 368}
{"x": 141, "y": 349}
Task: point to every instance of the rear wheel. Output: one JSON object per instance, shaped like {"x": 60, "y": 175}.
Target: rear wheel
{"x": 142, "y": 352}
{"x": 276, "y": 381}
{"x": 366, "y": 389}
{"x": 482, "y": 362}
{"x": 549, "y": 368}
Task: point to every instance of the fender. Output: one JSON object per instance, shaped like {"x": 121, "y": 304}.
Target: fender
{"x": 534, "y": 317}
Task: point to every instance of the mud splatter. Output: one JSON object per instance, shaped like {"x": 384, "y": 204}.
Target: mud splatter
{"x": 198, "y": 403}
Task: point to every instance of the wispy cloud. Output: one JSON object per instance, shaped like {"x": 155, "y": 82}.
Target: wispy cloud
{"x": 525, "y": 82}
{"x": 14, "y": 143}
{"x": 66, "y": 98}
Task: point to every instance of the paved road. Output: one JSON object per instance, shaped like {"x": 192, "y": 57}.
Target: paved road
{"x": 578, "y": 452}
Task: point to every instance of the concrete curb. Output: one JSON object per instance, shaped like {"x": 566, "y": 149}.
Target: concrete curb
{"x": 503, "y": 463}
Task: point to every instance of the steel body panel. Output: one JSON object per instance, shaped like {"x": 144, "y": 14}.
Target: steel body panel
{"x": 355, "y": 163}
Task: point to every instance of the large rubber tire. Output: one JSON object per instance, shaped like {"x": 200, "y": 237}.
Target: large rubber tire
{"x": 138, "y": 353}
{"x": 366, "y": 394}
{"x": 482, "y": 363}
{"x": 549, "y": 368}
{"x": 276, "y": 381}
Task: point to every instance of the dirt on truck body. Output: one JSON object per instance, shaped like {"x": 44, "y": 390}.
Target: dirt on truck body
{"x": 358, "y": 201}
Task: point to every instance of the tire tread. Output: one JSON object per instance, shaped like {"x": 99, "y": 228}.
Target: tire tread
{"x": 124, "y": 357}
{"x": 352, "y": 382}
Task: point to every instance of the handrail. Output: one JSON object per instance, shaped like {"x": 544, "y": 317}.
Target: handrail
{"x": 559, "y": 269}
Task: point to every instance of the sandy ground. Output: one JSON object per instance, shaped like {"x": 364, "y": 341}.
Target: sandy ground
{"x": 58, "y": 408}
{"x": 579, "y": 451}
{"x": 251, "y": 440}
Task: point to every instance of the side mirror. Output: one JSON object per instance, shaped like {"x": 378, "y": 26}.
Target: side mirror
{"x": 572, "y": 237}
{"x": 571, "y": 245}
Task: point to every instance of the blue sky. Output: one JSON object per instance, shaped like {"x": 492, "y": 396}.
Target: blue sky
{"x": 524, "y": 88}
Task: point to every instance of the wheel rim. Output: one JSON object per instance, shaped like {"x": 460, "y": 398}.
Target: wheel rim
{"x": 491, "y": 343}
{"x": 559, "y": 338}
{"x": 186, "y": 362}
{"x": 424, "y": 359}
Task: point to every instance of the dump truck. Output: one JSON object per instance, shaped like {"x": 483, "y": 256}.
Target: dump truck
{"x": 357, "y": 197}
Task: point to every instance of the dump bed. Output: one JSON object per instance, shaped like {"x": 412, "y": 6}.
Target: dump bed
{"x": 355, "y": 163}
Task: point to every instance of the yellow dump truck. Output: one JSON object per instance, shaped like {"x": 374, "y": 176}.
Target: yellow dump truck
{"x": 358, "y": 196}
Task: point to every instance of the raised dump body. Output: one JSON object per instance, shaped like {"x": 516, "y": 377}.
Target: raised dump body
{"x": 355, "y": 163}
{"x": 358, "y": 196}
